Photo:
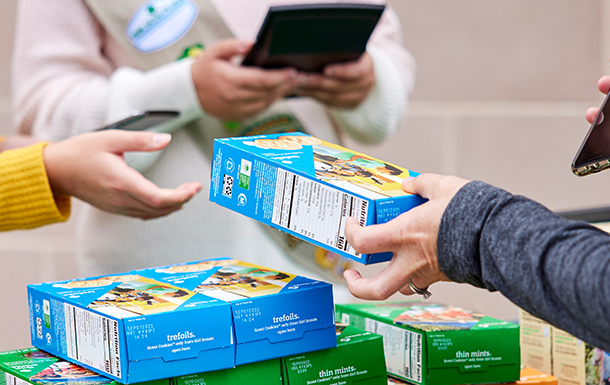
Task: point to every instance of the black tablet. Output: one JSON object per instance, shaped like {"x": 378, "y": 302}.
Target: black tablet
{"x": 310, "y": 36}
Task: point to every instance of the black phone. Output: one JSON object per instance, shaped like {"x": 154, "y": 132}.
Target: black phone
{"x": 594, "y": 152}
{"x": 310, "y": 36}
{"x": 142, "y": 120}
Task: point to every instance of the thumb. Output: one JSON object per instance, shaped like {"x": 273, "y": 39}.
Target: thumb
{"x": 226, "y": 49}
{"x": 117, "y": 141}
{"x": 422, "y": 185}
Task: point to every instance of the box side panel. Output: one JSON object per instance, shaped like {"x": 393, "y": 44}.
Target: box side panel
{"x": 286, "y": 199}
{"x": 404, "y": 350}
{"x": 294, "y": 320}
{"x": 389, "y": 208}
{"x": 453, "y": 376}
{"x": 475, "y": 355}
{"x": 179, "y": 335}
{"x": 258, "y": 373}
{"x": 569, "y": 358}
{"x": 535, "y": 338}
{"x": 312, "y": 340}
{"x": 77, "y": 334}
{"x": 359, "y": 362}
{"x": 158, "y": 368}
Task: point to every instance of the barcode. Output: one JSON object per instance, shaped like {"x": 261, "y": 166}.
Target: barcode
{"x": 227, "y": 186}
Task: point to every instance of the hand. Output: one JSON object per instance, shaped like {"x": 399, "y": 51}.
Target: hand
{"x": 232, "y": 92}
{"x": 17, "y": 142}
{"x": 343, "y": 85}
{"x": 411, "y": 237}
{"x": 91, "y": 167}
{"x": 603, "y": 84}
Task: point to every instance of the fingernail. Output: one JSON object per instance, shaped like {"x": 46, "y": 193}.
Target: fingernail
{"x": 160, "y": 139}
{"x": 408, "y": 179}
{"x": 243, "y": 46}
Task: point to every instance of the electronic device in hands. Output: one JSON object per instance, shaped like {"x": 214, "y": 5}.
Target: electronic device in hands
{"x": 310, "y": 36}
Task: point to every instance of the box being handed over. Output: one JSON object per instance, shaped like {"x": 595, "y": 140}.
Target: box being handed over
{"x": 181, "y": 319}
{"x": 432, "y": 344}
{"x": 308, "y": 187}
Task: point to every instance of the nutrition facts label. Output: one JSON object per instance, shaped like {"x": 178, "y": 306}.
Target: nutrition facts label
{"x": 93, "y": 339}
{"x": 314, "y": 210}
{"x": 402, "y": 349}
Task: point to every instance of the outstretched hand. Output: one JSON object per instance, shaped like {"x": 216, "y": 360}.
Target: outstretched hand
{"x": 91, "y": 167}
{"x": 411, "y": 237}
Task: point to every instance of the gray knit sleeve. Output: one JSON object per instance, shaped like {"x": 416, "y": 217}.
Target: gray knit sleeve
{"x": 556, "y": 269}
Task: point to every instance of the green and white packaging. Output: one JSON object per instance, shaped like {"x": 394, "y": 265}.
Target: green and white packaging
{"x": 33, "y": 366}
{"x": 432, "y": 344}
{"x": 536, "y": 342}
{"x": 357, "y": 359}
{"x": 257, "y": 373}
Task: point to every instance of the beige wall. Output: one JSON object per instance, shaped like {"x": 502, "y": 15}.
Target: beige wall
{"x": 501, "y": 92}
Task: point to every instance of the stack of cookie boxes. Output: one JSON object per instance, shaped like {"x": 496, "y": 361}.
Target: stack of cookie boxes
{"x": 181, "y": 319}
{"x": 213, "y": 321}
{"x": 358, "y": 358}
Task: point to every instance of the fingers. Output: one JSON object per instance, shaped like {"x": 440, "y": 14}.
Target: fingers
{"x": 371, "y": 239}
{"x": 390, "y": 280}
{"x": 118, "y": 142}
{"x": 422, "y": 185}
{"x": 432, "y": 186}
{"x": 227, "y": 48}
{"x": 352, "y": 71}
{"x": 603, "y": 84}
{"x": 264, "y": 80}
{"x": 591, "y": 114}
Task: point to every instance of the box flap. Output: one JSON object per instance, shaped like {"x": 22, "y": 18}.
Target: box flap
{"x": 297, "y": 308}
{"x": 206, "y": 326}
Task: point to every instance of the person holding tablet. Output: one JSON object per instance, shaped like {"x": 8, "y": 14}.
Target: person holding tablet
{"x": 37, "y": 179}
{"x": 471, "y": 232}
{"x": 81, "y": 63}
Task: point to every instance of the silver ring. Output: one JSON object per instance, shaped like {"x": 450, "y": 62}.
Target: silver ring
{"x": 419, "y": 291}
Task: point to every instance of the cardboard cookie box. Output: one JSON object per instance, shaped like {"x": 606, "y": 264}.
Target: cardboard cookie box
{"x": 33, "y": 366}
{"x": 357, "y": 359}
{"x": 433, "y": 344}
{"x": 181, "y": 319}
{"x": 308, "y": 187}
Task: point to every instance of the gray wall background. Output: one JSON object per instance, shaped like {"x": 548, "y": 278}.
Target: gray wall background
{"x": 501, "y": 92}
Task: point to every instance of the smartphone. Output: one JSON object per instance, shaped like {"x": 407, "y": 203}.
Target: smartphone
{"x": 594, "y": 152}
{"x": 142, "y": 120}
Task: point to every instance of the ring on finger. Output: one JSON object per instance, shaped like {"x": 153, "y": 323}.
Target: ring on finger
{"x": 423, "y": 292}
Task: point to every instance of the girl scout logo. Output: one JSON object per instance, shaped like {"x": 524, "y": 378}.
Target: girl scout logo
{"x": 160, "y": 23}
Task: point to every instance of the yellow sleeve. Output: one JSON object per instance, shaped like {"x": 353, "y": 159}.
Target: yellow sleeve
{"x": 26, "y": 199}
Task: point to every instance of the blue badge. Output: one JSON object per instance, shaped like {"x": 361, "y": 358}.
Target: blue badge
{"x": 161, "y": 23}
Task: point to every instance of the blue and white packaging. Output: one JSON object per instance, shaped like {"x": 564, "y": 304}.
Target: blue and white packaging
{"x": 308, "y": 187}
{"x": 181, "y": 319}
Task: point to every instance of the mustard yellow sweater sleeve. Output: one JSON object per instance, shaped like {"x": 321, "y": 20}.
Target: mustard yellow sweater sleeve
{"x": 26, "y": 199}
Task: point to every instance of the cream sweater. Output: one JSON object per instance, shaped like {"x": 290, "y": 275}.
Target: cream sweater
{"x": 70, "y": 77}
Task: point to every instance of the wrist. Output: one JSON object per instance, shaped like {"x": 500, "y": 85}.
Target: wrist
{"x": 52, "y": 163}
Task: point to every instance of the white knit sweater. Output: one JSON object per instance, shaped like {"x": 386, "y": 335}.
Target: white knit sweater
{"x": 70, "y": 77}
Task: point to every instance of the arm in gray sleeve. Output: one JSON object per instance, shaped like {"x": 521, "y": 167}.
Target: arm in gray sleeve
{"x": 551, "y": 267}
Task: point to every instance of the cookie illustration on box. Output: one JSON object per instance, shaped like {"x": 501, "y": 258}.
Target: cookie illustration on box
{"x": 245, "y": 280}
